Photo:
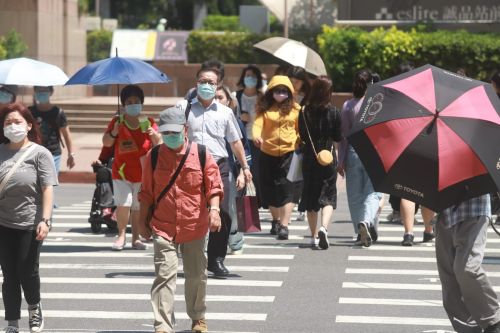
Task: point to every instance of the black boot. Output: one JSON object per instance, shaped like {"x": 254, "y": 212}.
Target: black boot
{"x": 217, "y": 267}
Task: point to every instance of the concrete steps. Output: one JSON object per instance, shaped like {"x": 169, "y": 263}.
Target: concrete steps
{"x": 92, "y": 115}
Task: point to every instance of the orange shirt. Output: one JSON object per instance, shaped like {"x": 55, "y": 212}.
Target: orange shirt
{"x": 182, "y": 214}
{"x": 129, "y": 147}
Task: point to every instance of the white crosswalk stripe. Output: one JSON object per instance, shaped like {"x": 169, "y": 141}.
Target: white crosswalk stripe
{"x": 388, "y": 275}
{"x": 81, "y": 262}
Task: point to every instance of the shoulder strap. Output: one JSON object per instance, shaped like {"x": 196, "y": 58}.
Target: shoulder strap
{"x": 188, "y": 109}
{"x": 174, "y": 177}
{"x": 239, "y": 93}
{"x": 16, "y": 165}
{"x": 154, "y": 156}
{"x": 307, "y": 129}
{"x": 202, "y": 154}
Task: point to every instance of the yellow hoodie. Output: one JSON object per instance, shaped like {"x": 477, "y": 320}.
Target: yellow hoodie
{"x": 278, "y": 131}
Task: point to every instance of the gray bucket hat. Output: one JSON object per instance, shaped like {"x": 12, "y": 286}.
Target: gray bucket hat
{"x": 172, "y": 119}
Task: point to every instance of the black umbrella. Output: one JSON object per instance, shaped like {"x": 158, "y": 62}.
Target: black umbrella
{"x": 430, "y": 136}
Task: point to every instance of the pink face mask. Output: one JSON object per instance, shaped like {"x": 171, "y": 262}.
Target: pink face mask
{"x": 280, "y": 96}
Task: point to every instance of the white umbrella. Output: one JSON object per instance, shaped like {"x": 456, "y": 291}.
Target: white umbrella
{"x": 295, "y": 53}
{"x": 29, "y": 72}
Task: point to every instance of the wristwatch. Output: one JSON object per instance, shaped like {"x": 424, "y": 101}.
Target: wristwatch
{"x": 214, "y": 208}
{"x": 47, "y": 222}
{"x": 245, "y": 167}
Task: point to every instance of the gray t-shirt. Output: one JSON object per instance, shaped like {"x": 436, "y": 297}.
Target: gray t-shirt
{"x": 21, "y": 199}
{"x": 212, "y": 126}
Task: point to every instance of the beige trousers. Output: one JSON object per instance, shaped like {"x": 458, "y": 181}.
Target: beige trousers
{"x": 163, "y": 289}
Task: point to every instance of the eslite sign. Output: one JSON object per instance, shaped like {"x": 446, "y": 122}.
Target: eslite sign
{"x": 405, "y": 10}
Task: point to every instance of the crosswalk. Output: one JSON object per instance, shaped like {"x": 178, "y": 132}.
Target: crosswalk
{"x": 388, "y": 278}
{"x": 88, "y": 288}
{"x": 383, "y": 288}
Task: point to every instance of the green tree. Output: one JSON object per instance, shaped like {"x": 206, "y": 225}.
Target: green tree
{"x": 13, "y": 45}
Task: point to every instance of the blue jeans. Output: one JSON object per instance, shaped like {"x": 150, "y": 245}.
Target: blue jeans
{"x": 362, "y": 198}
{"x": 57, "y": 163}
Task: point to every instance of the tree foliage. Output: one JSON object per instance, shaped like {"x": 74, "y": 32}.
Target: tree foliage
{"x": 12, "y": 45}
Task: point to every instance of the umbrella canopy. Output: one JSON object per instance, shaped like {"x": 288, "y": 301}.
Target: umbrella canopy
{"x": 430, "y": 136}
{"x": 118, "y": 70}
{"x": 294, "y": 53}
{"x": 29, "y": 72}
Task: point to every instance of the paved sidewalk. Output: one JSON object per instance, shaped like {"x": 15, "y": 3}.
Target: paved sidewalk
{"x": 87, "y": 147}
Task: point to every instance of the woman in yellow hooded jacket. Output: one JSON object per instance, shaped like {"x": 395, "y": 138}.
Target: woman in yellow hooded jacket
{"x": 275, "y": 132}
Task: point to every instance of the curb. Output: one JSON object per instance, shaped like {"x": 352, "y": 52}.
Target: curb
{"x": 79, "y": 177}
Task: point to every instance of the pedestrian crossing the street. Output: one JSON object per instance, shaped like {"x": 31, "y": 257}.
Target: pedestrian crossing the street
{"x": 89, "y": 288}
{"x": 86, "y": 287}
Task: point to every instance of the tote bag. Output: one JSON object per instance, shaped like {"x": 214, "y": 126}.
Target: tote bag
{"x": 247, "y": 210}
{"x": 295, "y": 172}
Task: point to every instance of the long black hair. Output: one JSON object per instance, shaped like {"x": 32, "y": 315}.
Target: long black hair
{"x": 360, "y": 83}
{"x": 258, "y": 74}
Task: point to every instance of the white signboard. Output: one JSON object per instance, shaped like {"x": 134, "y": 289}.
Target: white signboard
{"x": 138, "y": 44}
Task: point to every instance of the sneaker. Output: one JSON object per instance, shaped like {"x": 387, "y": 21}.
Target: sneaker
{"x": 274, "y": 227}
{"x": 407, "y": 240}
{"x": 199, "y": 325}
{"x": 11, "y": 329}
{"x": 138, "y": 245}
{"x": 394, "y": 217}
{"x": 36, "y": 318}
{"x": 495, "y": 328}
{"x": 314, "y": 242}
{"x": 373, "y": 233}
{"x": 357, "y": 242}
{"x": 236, "y": 252}
{"x": 301, "y": 217}
{"x": 282, "y": 232}
{"x": 323, "y": 238}
{"x": 366, "y": 239}
{"x": 428, "y": 236}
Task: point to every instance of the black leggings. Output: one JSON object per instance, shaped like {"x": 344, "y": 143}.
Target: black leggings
{"x": 19, "y": 258}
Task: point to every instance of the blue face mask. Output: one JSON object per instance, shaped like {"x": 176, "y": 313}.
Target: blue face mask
{"x": 5, "y": 97}
{"x": 42, "y": 97}
{"x": 133, "y": 109}
{"x": 206, "y": 91}
{"x": 250, "y": 81}
{"x": 173, "y": 141}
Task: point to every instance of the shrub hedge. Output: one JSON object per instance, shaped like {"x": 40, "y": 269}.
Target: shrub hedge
{"x": 346, "y": 50}
{"x": 12, "y": 45}
{"x": 98, "y": 44}
{"x": 222, "y": 23}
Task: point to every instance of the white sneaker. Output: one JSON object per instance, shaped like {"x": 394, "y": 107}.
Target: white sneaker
{"x": 323, "y": 238}
{"x": 35, "y": 318}
{"x": 314, "y": 242}
{"x": 301, "y": 217}
{"x": 236, "y": 252}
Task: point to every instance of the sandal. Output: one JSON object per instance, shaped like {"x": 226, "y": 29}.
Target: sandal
{"x": 117, "y": 246}
{"x": 138, "y": 245}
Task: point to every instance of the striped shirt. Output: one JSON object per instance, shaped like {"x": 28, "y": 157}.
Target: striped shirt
{"x": 475, "y": 207}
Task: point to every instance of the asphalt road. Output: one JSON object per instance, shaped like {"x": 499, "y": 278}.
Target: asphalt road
{"x": 275, "y": 286}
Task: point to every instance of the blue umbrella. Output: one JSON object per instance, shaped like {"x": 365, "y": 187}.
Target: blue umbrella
{"x": 118, "y": 70}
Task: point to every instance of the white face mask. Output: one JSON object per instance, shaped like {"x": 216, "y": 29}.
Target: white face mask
{"x": 15, "y": 132}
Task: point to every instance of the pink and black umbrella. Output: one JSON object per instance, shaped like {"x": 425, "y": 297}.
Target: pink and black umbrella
{"x": 430, "y": 136}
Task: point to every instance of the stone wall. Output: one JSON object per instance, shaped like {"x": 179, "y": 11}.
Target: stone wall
{"x": 52, "y": 31}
